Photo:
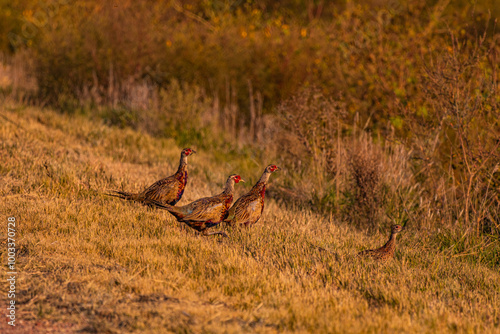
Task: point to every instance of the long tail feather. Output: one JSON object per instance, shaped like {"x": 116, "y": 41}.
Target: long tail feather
{"x": 159, "y": 205}
{"x": 122, "y": 194}
{"x": 175, "y": 211}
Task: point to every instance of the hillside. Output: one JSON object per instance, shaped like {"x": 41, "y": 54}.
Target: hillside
{"x": 94, "y": 264}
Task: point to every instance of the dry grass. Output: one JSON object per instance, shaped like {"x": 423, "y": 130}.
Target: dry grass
{"x": 97, "y": 264}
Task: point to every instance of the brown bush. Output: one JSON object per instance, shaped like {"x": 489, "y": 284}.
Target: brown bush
{"x": 366, "y": 183}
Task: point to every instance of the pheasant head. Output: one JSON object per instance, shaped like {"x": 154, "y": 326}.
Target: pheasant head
{"x": 267, "y": 172}
{"x": 184, "y": 154}
{"x": 395, "y": 229}
{"x": 272, "y": 169}
{"x": 231, "y": 181}
{"x": 235, "y": 178}
{"x": 187, "y": 152}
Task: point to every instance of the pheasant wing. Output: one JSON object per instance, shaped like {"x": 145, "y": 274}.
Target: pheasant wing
{"x": 204, "y": 209}
{"x": 163, "y": 191}
{"x": 246, "y": 209}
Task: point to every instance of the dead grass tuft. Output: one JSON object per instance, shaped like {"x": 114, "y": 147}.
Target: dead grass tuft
{"x": 365, "y": 171}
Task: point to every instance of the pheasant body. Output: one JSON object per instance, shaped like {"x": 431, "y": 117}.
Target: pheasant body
{"x": 165, "y": 191}
{"x": 248, "y": 209}
{"x": 385, "y": 252}
{"x": 205, "y": 212}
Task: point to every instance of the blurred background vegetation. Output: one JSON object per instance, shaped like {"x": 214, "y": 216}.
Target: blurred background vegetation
{"x": 375, "y": 108}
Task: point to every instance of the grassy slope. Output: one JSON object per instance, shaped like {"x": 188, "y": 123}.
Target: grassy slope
{"x": 99, "y": 263}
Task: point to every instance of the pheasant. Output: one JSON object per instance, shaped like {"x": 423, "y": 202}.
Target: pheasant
{"x": 205, "y": 212}
{"x": 249, "y": 207}
{"x": 385, "y": 252}
{"x": 165, "y": 191}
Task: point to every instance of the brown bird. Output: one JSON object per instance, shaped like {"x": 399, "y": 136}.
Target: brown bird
{"x": 205, "y": 212}
{"x": 385, "y": 252}
{"x": 249, "y": 207}
{"x": 165, "y": 191}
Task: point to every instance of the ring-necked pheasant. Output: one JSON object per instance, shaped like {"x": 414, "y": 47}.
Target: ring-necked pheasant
{"x": 205, "y": 212}
{"x": 249, "y": 207}
{"x": 165, "y": 191}
{"x": 385, "y": 252}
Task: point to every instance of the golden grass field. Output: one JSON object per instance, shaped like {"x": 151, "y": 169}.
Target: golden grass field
{"x": 90, "y": 263}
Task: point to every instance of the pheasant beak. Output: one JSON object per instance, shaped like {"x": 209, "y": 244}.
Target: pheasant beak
{"x": 193, "y": 151}
{"x": 241, "y": 180}
{"x": 278, "y": 168}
